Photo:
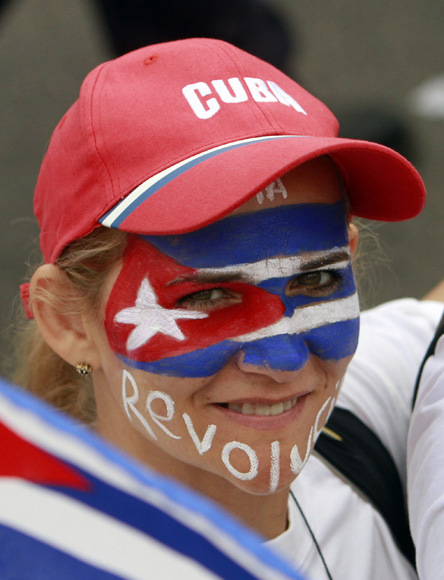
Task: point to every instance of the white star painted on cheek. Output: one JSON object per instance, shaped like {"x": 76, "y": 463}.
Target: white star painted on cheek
{"x": 149, "y": 318}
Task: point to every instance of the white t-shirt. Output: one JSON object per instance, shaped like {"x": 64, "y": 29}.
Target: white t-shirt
{"x": 354, "y": 539}
{"x": 426, "y": 469}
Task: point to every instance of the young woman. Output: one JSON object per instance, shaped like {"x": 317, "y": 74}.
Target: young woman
{"x": 195, "y": 208}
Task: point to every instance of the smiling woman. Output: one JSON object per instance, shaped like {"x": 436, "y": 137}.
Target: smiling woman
{"x": 198, "y": 269}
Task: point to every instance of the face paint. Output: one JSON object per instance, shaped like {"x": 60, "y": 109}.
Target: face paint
{"x": 155, "y": 422}
{"x": 255, "y": 256}
{"x": 275, "y": 188}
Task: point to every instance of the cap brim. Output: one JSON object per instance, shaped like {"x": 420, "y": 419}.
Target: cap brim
{"x": 381, "y": 184}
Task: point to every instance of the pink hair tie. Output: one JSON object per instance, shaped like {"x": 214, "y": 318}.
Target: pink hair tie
{"x": 24, "y": 295}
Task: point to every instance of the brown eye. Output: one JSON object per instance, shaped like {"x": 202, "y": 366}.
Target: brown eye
{"x": 204, "y": 295}
{"x": 319, "y": 283}
{"x": 211, "y": 299}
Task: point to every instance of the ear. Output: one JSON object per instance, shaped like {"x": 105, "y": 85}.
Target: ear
{"x": 353, "y": 236}
{"x": 64, "y": 330}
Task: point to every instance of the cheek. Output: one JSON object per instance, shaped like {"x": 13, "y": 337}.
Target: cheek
{"x": 335, "y": 341}
{"x": 259, "y": 463}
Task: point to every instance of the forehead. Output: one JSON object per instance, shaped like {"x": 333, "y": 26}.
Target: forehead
{"x": 316, "y": 181}
{"x": 251, "y": 237}
{"x": 310, "y": 216}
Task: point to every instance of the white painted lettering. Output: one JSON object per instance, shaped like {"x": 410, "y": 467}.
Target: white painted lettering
{"x": 207, "y": 441}
{"x": 252, "y": 457}
{"x": 271, "y": 190}
{"x": 317, "y": 430}
{"x": 160, "y": 419}
{"x": 129, "y": 402}
{"x": 285, "y": 98}
{"x": 191, "y": 94}
{"x": 260, "y": 91}
{"x": 275, "y": 465}
{"x": 296, "y": 463}
{"x": 239, "y": 93}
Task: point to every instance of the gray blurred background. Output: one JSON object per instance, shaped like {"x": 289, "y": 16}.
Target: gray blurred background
{"x": 377, "y": 65}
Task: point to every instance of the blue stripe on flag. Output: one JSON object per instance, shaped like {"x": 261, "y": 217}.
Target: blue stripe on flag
{"x": 23, "y": 558}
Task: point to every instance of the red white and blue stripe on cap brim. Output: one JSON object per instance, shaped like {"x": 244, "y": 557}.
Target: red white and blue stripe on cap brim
{"x": 73, "y": 507}
{"x": 117, "y": 215}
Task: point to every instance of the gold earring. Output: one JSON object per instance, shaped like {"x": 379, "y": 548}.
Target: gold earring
{"x": 84, "y": 368}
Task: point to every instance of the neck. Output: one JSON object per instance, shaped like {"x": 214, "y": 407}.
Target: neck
{"x": 265, "y": 514}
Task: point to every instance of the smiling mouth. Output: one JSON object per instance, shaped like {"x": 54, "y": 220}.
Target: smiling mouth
{"x": 261, "y": 409}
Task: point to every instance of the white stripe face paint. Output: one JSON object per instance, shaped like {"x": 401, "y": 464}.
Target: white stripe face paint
{"x": 262, "y": 270}
{"x": 309, "y": 318}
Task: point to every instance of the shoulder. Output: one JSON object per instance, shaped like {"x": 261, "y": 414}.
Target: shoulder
{"x": 426, "y": 467}
{"x": 379, "y": 383}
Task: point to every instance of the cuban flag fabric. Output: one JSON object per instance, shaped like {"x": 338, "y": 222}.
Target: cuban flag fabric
{"x": 254, "y": 257}
{"x": 72, "y": 507}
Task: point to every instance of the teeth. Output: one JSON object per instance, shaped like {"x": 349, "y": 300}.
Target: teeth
{"x": 287, "y": 405}
{"x": 261, "y": 409}
{"x": 277, "y": 409}
{"x": 246, "y": 409}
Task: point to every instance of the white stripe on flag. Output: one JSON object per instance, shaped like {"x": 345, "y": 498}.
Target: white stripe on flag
{"x": 89, "y": 535}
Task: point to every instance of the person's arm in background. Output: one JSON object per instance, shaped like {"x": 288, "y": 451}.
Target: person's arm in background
{"x": 437, "y": 293}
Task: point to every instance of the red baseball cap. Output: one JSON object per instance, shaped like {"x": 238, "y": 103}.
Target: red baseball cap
{"x": 171, "y": 137}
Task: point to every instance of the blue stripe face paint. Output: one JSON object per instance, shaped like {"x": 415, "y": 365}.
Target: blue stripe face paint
{"x": 272, "y": 287}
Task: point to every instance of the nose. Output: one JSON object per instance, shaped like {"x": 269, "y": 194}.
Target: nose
{"x": 279, "y": 357}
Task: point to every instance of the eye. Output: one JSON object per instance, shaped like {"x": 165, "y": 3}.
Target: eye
{"x": 318, "y": 283}
{"x": 211, "y": 299}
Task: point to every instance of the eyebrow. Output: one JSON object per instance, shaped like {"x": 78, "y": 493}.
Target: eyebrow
{"x": 327, "y": 260}
{"x": 210, "y": 278}
{"x": 257, "y": 272}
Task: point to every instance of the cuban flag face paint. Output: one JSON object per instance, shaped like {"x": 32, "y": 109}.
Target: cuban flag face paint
{"x": 273, "y": 287}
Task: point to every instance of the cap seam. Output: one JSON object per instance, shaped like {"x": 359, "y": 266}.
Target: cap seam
{"x": 241, "y": 70}
{"x": 94, "y": 134}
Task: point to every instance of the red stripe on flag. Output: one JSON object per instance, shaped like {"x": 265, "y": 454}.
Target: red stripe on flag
{"x": 20, "y": 458}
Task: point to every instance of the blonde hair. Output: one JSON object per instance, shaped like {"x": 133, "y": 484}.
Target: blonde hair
{"x": 85, "y": 264}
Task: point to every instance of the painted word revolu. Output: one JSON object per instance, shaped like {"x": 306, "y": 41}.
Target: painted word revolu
{"x": 203, "y": 445}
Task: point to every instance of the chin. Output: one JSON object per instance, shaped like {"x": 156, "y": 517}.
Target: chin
{"x": 263, "y": 485}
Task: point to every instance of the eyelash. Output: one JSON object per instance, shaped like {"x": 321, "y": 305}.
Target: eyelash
{"x": 192, "y": 302}
{"x": 317, "y": 290}
{"x": 195, "y": 300}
